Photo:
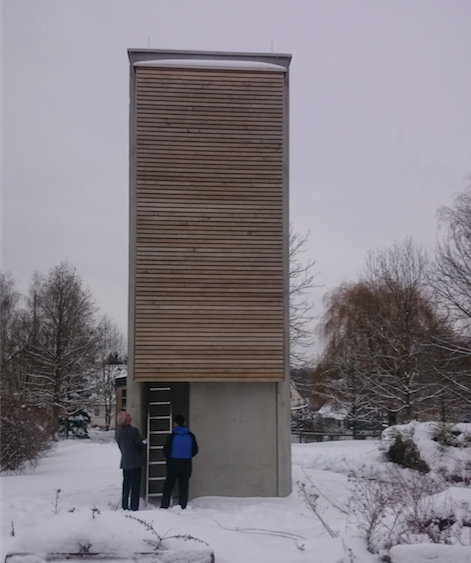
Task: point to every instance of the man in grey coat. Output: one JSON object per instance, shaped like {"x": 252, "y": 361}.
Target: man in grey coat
{"x": 132, "y": 459}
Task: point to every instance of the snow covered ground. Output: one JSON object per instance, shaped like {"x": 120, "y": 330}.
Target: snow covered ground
{"x": 71, "y": 502}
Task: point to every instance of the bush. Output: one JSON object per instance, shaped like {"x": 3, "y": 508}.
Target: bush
{"x": 450, "y": 435}
{"x": 305, "y": 419}
{"x": 393, "y": 506}
{"x": 431, "y": 504}
{"x": 405, "y": 453}
{"x": 24, "y": 434}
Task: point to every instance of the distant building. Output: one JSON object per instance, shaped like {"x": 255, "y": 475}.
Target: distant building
{"x": 108, "y": 403}
{"x": 297, "y": 401}
{"x": 121, "y": 393}
{"x": 332, "y": 418}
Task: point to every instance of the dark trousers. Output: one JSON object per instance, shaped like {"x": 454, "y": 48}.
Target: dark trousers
{"x": 177, "y": 469}
{"x": 131, "y": 484}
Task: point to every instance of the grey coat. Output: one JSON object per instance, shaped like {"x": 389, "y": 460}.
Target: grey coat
{"x": 131, "y": 446}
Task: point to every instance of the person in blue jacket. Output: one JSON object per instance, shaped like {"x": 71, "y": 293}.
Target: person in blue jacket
{"x": 180, "y": 447}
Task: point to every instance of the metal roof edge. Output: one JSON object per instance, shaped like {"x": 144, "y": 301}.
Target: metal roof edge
{"x": 135, "y": 55}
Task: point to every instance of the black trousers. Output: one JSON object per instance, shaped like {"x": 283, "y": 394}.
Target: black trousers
{"x": 131, "y": 484}
{"x": 177, "y": 469}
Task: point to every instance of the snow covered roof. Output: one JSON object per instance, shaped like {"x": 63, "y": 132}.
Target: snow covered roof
{"x": 213, "y": 63}
{"x": 328, "y": 411}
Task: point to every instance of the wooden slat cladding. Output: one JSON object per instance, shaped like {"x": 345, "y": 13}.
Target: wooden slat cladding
{"x": 210, "y": 217}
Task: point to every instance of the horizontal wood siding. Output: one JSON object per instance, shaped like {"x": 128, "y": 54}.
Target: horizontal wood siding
{"x": 209, "y": 260}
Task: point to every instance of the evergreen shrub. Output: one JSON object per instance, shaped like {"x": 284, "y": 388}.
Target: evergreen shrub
{"x": 404, "y": 452}
{"x": 76, "y": 425}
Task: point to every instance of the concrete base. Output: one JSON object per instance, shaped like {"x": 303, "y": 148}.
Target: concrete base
{"x": 243, "y": 431}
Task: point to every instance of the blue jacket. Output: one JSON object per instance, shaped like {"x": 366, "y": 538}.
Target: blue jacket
{"x": 181, "y": 444}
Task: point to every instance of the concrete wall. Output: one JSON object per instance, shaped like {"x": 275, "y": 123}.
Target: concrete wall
{"x": 137, "y": 404}
{"x": 243, "y": 433}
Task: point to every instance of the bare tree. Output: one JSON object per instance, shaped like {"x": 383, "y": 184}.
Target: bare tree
{"x": 9, "y": 349}
{"x": 451, "y": 362}
{"x": 111, "y": 360}
{"x": 340, "y": 376}
{"x": 61, "y": 343}
{"x": 451, "y": 278}
{"x": 301, "y": 309}
{"x": 405, "y": 323}
{"x": 379, "y": 334}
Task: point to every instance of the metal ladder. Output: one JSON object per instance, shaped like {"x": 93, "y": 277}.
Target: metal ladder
{"x": 159, "y": 425}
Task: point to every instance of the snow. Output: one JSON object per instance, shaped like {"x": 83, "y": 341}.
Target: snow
{"x": 213, "y": 63}
{"x": 453, "y": 461}
{"x": 72, "y": 499}
{"x": 430, "y": 554}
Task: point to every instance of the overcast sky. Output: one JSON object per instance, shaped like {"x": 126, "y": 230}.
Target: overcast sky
{"x": 380, "y": 123}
